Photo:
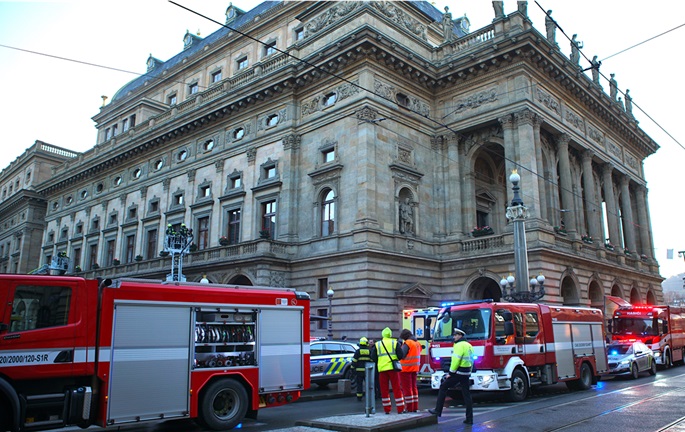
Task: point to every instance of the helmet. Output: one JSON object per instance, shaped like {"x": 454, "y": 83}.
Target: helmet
{"x": 363, "y": 341}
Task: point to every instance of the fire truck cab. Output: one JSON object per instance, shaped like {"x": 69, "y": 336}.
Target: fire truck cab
{"x": 520, "y": 345}
{"x": 109, "y": 352}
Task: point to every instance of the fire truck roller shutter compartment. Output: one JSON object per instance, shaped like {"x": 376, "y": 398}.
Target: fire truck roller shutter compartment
{"x": 280, "y": 350}
{"x": 564, "y": 350}
{"x": 149, "y": 365}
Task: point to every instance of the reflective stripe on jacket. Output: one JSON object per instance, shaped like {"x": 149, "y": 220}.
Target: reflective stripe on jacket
{"x": 411, "y": 362}
{"x": 386, "y": 354}
{"x": 360, "y": 358}
{"x": 461, "y": 357}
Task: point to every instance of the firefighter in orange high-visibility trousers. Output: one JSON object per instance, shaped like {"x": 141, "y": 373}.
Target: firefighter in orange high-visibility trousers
{"x": 387, "y": 353}
{"x": 410, "y": 369}
{"x": 359, "y": 360}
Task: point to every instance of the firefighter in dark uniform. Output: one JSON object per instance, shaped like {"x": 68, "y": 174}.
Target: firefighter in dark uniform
{"x": 361, "y": 357}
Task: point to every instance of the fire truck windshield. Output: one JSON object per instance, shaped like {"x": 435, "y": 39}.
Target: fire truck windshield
{"x": 634, "y": 326}
{"x": 474, "y": 322}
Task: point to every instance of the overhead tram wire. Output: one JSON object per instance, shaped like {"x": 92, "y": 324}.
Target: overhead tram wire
{"x": 341, "y": 78}
{"x": 607, "y": 79}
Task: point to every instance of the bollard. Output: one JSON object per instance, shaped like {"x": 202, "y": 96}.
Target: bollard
{"x": 369, "y": 388}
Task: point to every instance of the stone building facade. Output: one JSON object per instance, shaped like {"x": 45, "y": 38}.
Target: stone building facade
{"x": 355, "y": 146}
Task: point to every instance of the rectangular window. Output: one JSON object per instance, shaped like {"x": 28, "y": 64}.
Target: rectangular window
{"x": 203, "y": 232}
{"x": 108, "y": 134}
{"x": 92, "y": 255}
{"x": 109, "y": 252}
{"x": 236, "y": 182}
{"x": 269, "y": 172}
{"x": 193, "y": 88}
{"x": 234, "y": 226}
{"x": 130, "y": 248}
{"x": 37, "y": 307}
{"x": 113, "y": 219}
{"x": 269, "y": 218}
{"x": 124, "y": 125}
{"x": 76, "y": 255}
{"x": 151, "y": 250}
{"x": 132, "y": 213}
{"x": 172, "y": 99}
{"x": 216, "y": 77}
{"x": 242, "y": 63}
{"x": 205, "y": 191}
{"x": 178, "y": 199}
{"x": 328, "y": 155}
{"x": 133, "y": 120}
{"x": 114, "y": 130}
{"x": 270, "y": 48}
{"x": 299, "y": 33}
{"x": 322, "y": 289}
{"x": 154, "y": 206}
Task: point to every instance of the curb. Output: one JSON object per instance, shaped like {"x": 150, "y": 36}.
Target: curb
{"x": 375, "y": 423}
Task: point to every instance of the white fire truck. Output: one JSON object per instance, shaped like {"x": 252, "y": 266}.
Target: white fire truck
{"x": 662, "y": 328}
{"x": 111, "y": 352}
{"x": 520, "y": 345}
{"x": 421, "y": 323}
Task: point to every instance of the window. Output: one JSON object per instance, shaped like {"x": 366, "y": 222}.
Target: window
{"x": 109, "y": 252}
{"x": 132, "y": 213}
{"x": 328, "y": 214}
{"x": 99, "y": 188}
{"x": 269, "y": 217}
{"x": 95, "y": 225}
{"x": 159, "y": 164}
{"x": 114, "y": 130}
{"x": 108, "y": 134}
{"x": 205, "y": 191}
{"x": 208, "y": 145}
{"x": 203, "y": 232}
{"x": 151, "y": 241}
{"x": 79, "y": 228}
{"x": 171, "y": 99}
{"x": 182, "y": 155}
{"x": 299, "y": 33}
{"x": 328, "y": 155}
{"x": 193, "y": 88}
{"x": 124, "y": 125}
{"x": 154, "y": 206}
{"x": 403, "y": 99}
{"x": 133, "y": 120}
{"x": 37, "y": 307}
{"x": 92, "y": 255}
{"x": 234, "y": 226}
{"x": 117, "y": 181}
{"x": 329, "y": 99}
{"x": 130, "y": 248}
{"x": 269, "y": 48}
{"x": 238, "y": 133}
{"x": 532, "y": 326}
{"x": 70, "y": 199}
{"x": 322, "y": 288}
{"x": 84, "y": 194}
{"x": 178, "y": 199}
{"x": 242, "y": 63}
{"x": 216, "y": 77}
{"x": 137, "y": 172}
{"x": 76, "y": 255}
{"x": 113, "y": 219}
{"x": 236, "y": 182}
{"x": 269, "y": 172}
{"x": 272, "y": 120}
{"x": 64, "y": 233}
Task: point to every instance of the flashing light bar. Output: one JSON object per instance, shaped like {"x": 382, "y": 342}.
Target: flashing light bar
{"x": 447, "y": 304}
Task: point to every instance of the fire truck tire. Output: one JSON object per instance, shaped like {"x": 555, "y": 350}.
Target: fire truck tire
{"x": 519, "y": 386}
{"x": 652, "y": 367}
{"x": 223, "y": 404}
{"x": 634, "y": 371}
{"x": 585, "y": 380}
{"x": 667, "y": 360}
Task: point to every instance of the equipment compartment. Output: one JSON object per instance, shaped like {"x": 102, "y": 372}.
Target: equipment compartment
{"x": 224, "y": 338}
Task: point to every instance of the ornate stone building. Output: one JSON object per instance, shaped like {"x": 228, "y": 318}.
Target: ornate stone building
{"x": 356, "y": 145}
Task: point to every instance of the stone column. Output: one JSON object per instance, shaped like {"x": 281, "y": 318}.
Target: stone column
{"x": 454, "y": 198}
{"x": 510, "y": 156}
{"x": 627, "y": 215}
{"x": 289, "y": 199}
{"x": 367, "y": 198}
{"x": 441, "y": 187}
{"x": 592, "y": 210}
{"x": 566, "y": 185}
{"x": 527, "y": 158}
{"x": 537, "y": 120}
{"x": 610, "y": 201}
{"x": 643, "y": 219}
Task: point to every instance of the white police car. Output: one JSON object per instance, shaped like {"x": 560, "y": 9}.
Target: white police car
{"x": 330, "y": 361}
{"x": 630, "y": 358}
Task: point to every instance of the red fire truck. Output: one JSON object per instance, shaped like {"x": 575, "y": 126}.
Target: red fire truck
{"x": 662, "y": 328}
{"x": 421, "y": 323}
{"x": 110, "y": 352}
{"x": 520, "y": 345}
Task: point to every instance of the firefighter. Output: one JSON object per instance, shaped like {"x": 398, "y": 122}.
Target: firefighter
{"x": 410, "y": 369}
{"x": 361, "y": 357}
{"x": 385, "y": 352}
{"x": 459, "y": 374}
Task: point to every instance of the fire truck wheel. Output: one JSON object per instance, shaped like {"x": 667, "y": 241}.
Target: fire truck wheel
{"x": 652, "y": 367}
{"x": 667, "y": 360}
{"x": 634, "y": 372}
{"x": 223, "y": 404}
{"x": 4, "y": 415}
{"x": 585, "y": 381}
{"x": 519, "y": 386}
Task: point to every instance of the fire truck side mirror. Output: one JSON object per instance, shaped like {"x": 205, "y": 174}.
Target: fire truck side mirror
{"x": 4, "y": 327}
{"x": 508, "y": 328}
{"x": 507, "y": 316}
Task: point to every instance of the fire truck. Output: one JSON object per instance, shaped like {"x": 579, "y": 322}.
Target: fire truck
{"x": 109, "y": 352}
{"x": 519, "y": 345}
{"x": 662, "y": 328}
{"x": 421, "y": 323}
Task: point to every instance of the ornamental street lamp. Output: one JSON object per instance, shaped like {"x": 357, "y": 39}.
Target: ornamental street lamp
{"x": 512, "y": 294}
{"x": 330, "y": 293}
{"x": 517, "y": 214}
{"x": 177, "y": 244}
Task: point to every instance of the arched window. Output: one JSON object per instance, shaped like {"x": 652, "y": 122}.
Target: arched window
{"x": 328, "y": 213}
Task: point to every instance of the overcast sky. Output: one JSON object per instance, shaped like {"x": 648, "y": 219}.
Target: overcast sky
{"x": 53, "y": 100}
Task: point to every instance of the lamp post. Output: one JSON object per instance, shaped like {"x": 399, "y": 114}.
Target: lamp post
{"x": 512, "y": 294}
{"x": 330, "y": 293}
{"x": 517, "y": 214}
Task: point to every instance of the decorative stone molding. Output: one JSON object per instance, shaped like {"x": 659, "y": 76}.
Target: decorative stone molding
{"x": 439, "y": 143}
{"x": 595, "y": 135}
{"x": 484, "y": 135}
{"x": 475, "y": 100}
{"x": 191, "y": 175}
{"x": 251, "y": 154}
{"x": 315, "y": 103}
{"x": 525, "y": 117}
{"x": 614, "y": 149}
{"x": 400, "y": 17}
{"x": 219, "y": 166}
{"x": 366, "y": 114}
{"x": 548, "y": 100}
{"x": 574, "y": 120}
{"x": 335, "y": 13}
{"x": 262, "y": 120}
{"x": 166, "y": 183}
{"x": 292, "y": 142}
{"x": 631, "y": 162}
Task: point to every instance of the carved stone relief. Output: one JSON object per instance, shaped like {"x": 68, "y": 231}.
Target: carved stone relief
{"x": 574, "y": 120}
{"x": 475, "y": 100}
{"x": 548, "y": 100}
{"x": 333, "y": 14}
{"x": 400, "y": 17}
